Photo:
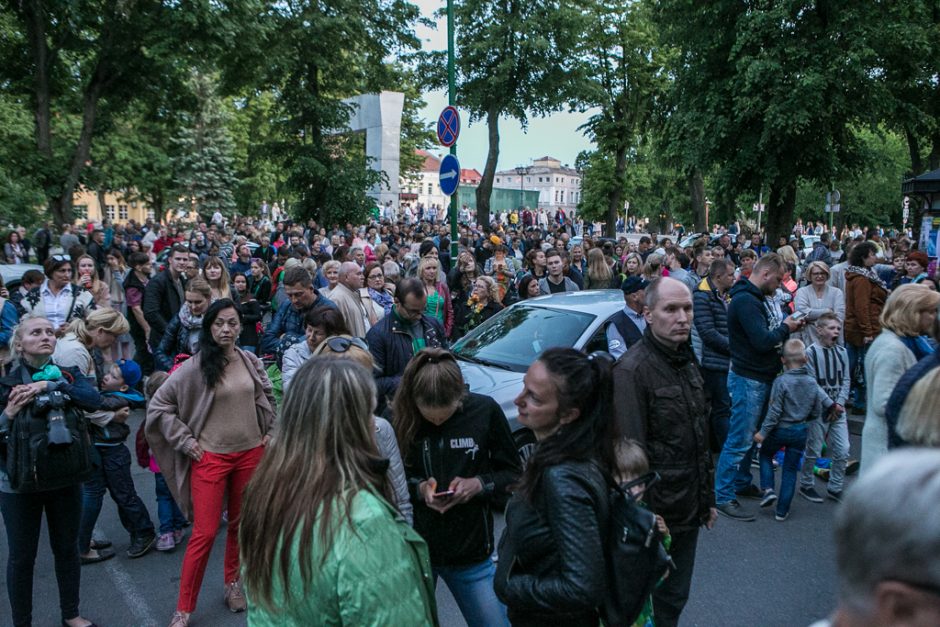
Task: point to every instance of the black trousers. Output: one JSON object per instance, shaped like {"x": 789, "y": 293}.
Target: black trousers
{"x": 716, "y": 386}
{"x": 22, "y": 516}
{"x": 671, "y": 595}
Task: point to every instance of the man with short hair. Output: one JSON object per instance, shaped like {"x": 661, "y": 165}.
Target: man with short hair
{"x": 755, "y": 337}
{"x": 68, "y": 240}
{"x": 710, "y": 302}
{"x": 703, "y": 259}
{"x": 626, "y": 327}
{"x": 645, "y": 247}
{"x": 348, "y": 299}
{"x": 395, "y": 339}
{"x": 887, "y": 542}
{"x": 659, "y": 401}
{"x": 287, "y": 327}
{"x": 164, "y": 294}
{"x": 555, "y": 281}
{"x": 135, "y": 287}
{"x": 97, "y": 252}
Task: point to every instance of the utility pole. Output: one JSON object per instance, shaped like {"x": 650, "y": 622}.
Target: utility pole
{"x": 451, "y": 98}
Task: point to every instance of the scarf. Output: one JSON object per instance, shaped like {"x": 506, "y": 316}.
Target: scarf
{"x": 49, "y": 372}
{"x": 920, "y": 346}
{"x": 869, "y": 274}
{"x": 187, "y": 318}
{"x": 383, "y": 299}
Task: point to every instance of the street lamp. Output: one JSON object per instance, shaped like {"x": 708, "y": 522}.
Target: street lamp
{"x": 522, "y": 170}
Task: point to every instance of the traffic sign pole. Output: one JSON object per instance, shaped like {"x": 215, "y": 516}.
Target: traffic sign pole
{"x": 451, "y": 100}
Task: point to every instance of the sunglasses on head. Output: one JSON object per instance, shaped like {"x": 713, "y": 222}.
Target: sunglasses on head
{"x": 342, "y": 344}
{"x": 61, "y": 258}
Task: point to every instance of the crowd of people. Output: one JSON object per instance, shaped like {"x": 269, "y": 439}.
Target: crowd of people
{"x": 299, "y": 390}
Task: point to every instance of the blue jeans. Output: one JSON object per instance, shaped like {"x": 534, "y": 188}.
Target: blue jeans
{"x": 856, "y": 358}
{"x": 748, "y": 405}
{"x": 472, "y": 587}
{"x": 114, "y": 476}
{"x": 171, "y": 518}
{"x": 794, "y": 440}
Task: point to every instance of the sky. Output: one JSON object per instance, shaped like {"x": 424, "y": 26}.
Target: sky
{"x": 556, "y": 135}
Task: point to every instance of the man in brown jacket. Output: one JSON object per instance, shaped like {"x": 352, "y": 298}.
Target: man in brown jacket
{"x": 660, "y": 402}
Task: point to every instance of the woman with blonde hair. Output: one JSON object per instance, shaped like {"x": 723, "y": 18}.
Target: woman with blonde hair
{"x": 86, "y": 275}
{"x": 482, "y": 305}
{"x": 599, "y": 275}
{"x": 919, "y": 421}
{"x": 818, "y": 298}
{"x": 653, "y": 269}
{"x": 439, "y": 304}
{"x": 632, "y": 264}
{"x": 348, "y": 347}
{"x": 320, "y": 543}
{"x": 908, "y": 315}
{"x": 216, "y": 274}
{"x": 331, "y": 274}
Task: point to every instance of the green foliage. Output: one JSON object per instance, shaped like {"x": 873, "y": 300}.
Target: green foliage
{"x": 20, "y": 190}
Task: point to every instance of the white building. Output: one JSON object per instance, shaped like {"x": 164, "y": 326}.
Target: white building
{"x": 424, "y": 187}
{"x": 559, "y": 186}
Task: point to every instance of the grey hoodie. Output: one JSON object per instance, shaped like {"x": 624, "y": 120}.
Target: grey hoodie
{"x": 794, "y": 398}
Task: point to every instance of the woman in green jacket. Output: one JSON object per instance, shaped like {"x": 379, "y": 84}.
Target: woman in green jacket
{"x": 320, "y": 543}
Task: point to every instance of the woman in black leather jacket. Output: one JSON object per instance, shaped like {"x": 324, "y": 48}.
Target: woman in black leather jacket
{"x": 551, "y": 557}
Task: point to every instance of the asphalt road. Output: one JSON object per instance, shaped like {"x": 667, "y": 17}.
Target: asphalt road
{"x": 762, "y": 573}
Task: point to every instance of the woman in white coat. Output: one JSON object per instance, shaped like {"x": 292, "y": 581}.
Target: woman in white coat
{"x": 908, "y": 316}
{"x": 818, "y": 298}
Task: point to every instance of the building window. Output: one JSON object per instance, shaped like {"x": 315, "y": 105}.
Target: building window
{"x": 80, "y": 212}
{"x": 562, "y": 179}
{"x": 556, "y": 195}
{"x": 497, "y": 179}
{"x": 528, "y": 179}
{"x": 430, "y": 189}
{"x": 562, "y": 197}
{"x": 540, "y": 179}
{"x": 110, "y": 212}
{"x": 122, "y": 212}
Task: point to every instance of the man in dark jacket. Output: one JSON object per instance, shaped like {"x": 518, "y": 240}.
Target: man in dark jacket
{"x": 755, "y": 338}
{"x": 710, "y": 302}
{"x": 659, "y": 401}
{"x": 287, "y": 327}
{"x": 401, "y": 334}
{"x": 163, "y": 295}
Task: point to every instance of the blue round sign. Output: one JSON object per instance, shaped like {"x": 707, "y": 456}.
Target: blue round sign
{"x": 449, "y": 174}
{"x": 448, "y": 126}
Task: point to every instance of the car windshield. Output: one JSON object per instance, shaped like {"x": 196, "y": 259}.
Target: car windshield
{"x": 514, "y": 338}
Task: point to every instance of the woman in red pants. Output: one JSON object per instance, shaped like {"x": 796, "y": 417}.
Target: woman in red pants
{"x": 207, "y": 426}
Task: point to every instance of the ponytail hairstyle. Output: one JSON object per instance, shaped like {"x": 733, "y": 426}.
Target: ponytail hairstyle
{"x": 582, "y": 382}
{"x": 433, "y": 379}
{"x": 109, "y": 320}
{"x": 212, "y": 359}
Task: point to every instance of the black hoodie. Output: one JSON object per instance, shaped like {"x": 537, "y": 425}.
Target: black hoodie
{"x": 474, "y": 442}
{"x": 754, "y": 335}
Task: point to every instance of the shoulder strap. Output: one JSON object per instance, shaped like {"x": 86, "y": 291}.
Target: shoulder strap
{"x": 68, "y": 318}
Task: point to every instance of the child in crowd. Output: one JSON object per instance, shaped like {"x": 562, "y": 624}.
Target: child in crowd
{"x": 632, "y": 463}
{"x": 796, "y": 400}
{"x": 172, "y": 521}
{"x": 828, "y": 363}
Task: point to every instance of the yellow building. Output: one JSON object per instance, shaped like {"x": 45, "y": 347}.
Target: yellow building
{"x": 118, "y": 209}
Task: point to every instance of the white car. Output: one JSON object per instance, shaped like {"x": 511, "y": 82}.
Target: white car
{"x": 495, "y": 356}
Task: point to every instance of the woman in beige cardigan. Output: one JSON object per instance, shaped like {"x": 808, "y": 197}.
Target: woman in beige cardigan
{"x": 207, "y": 427}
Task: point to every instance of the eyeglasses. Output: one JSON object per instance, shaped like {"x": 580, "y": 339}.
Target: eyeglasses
{"x": 61, "y": 257}
{"x": 342, "y": 344}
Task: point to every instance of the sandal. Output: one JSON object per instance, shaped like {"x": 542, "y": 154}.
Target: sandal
{"x": 99, "y": 556}
{"x": 180, "y": 619}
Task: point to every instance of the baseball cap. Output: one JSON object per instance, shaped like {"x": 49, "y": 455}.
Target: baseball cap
{"x": 634, "y": 284}
{"x": 130, "y": 372}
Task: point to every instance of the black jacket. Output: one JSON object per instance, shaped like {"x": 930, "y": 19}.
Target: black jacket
{"x": 659, "y": 401}
{"x": 711, "y": 322}
{"x": 474, "y": 442}
{"x": 390, "y": 343}
{"x": 754, "y": 351}
{"x": 161, "y": 304}
{"x": 551, "y": 568}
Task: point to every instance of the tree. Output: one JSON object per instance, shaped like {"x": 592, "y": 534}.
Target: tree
{"x": 768, "y": 93}
{"x": 203, "y": 173}
{"x": 514, "y": 58}
{"x": 625, "y": 77}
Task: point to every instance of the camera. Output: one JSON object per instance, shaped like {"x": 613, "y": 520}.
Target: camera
{"x": 53, "y": 404}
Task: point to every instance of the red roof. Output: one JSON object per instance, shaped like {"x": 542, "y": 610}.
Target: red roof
{"x": 431, "y": 163}
{"x": 470, "y": 177}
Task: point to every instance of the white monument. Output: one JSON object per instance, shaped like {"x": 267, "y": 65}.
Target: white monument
{"x": 379, "y": 116}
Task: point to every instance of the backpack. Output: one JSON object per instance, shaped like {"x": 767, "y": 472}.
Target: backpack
{"x": 636, "y": 558}
{"x": 33, "y": 463}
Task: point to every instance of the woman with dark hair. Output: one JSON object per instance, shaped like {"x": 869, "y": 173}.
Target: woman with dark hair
{"x": 251, "y": 313}
{"x": 207, "y": 427}
{"x": 259, "y": 281}
{"x": 551, "y": 556}
{"x": 865, "y": 296}
{"x": 528, "y": 287}
{"x": 460, "y": 459}
{"x": 462, "y": 276}
{"x": 321, "y": 543}
{"x": 34, "y": 342}
{"x": 58, "y": 299}
{"x": 13, "y": 250}
{"x": 319, "y": 324}
{"x": 378, "y": 289}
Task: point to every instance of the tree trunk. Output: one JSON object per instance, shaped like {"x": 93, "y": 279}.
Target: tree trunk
{"x": 780, "y": 210}
{"x": 485, "y": 190}
{"x": 62, "y": 212}
{"x": 913, "y": 147}
{"x": 100, "y": 192}
{"x": 34, "y": 15}
{"x": 615, "y": 196}
{"x": 697, "y": 195}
